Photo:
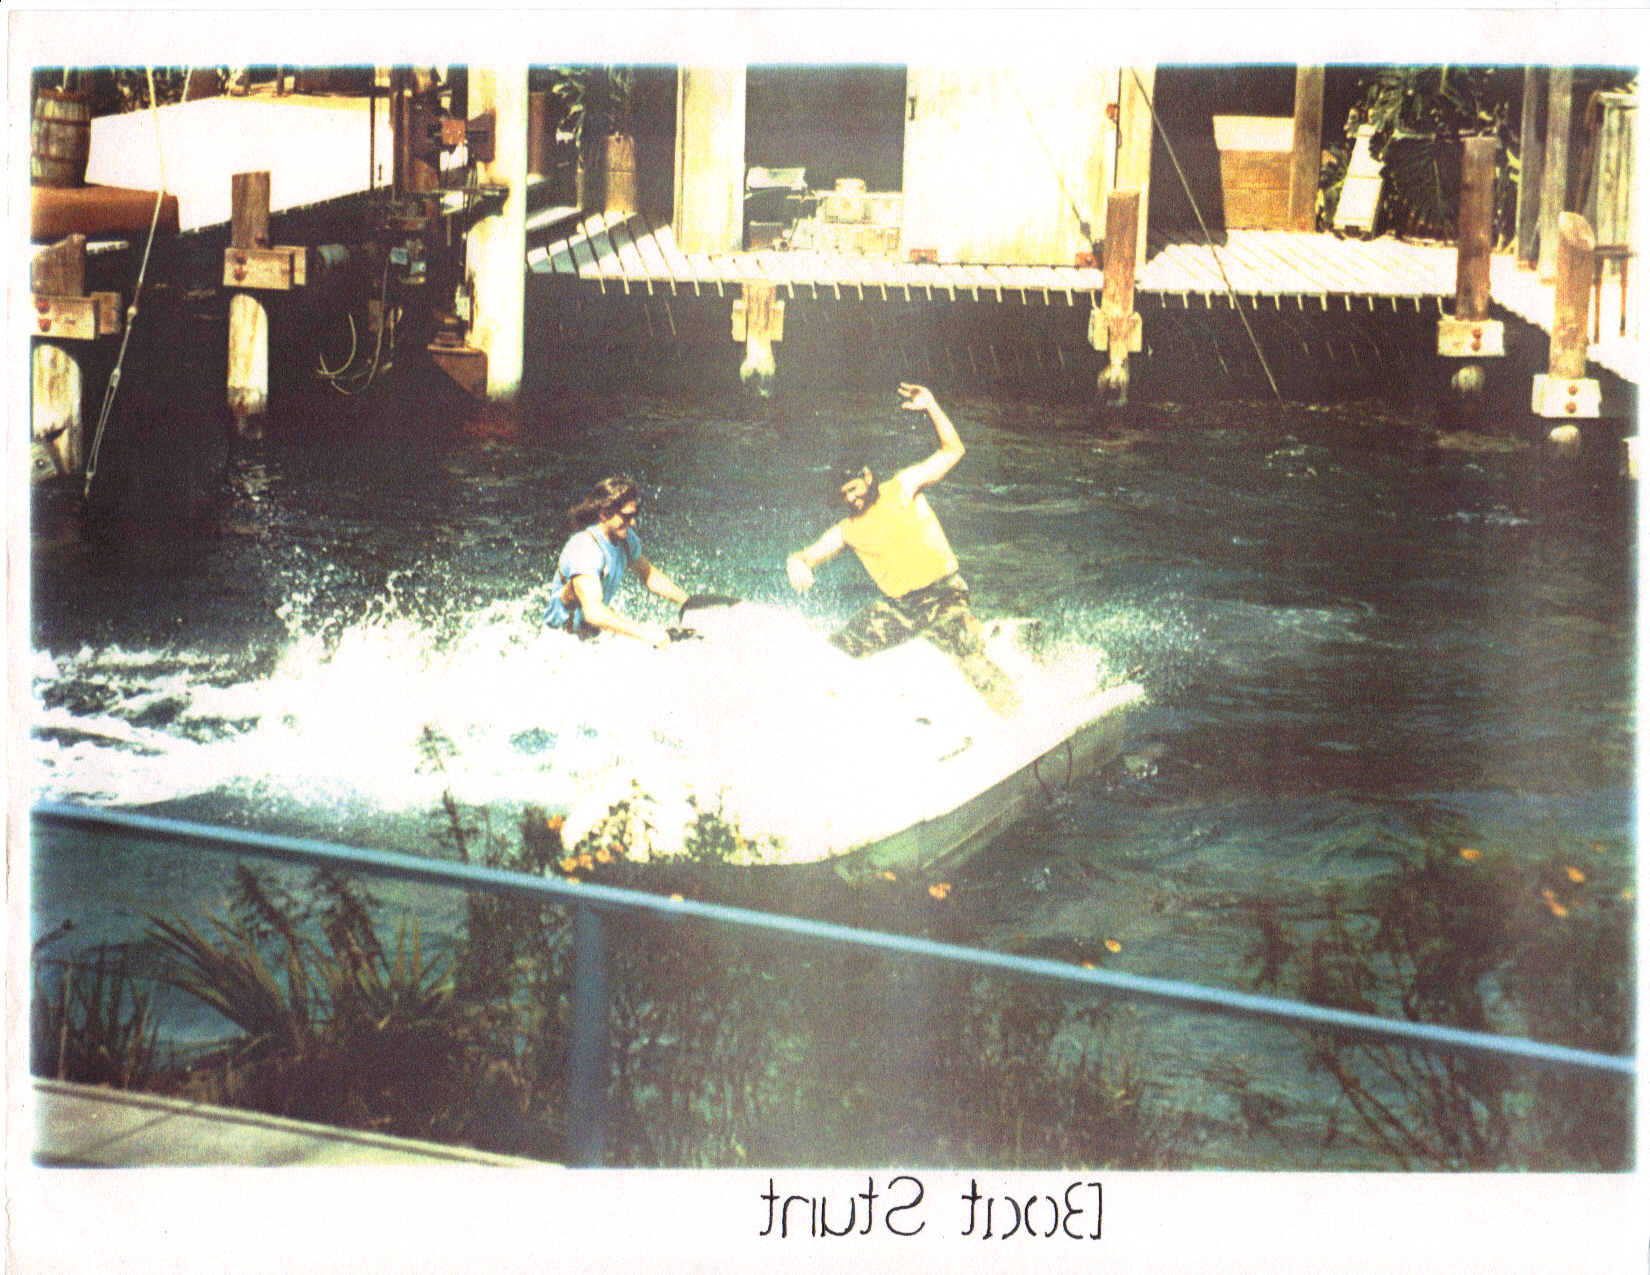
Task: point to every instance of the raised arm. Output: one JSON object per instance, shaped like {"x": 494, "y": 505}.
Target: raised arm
{"x": 800, "y": 565}
{"x": 915, "y": 477}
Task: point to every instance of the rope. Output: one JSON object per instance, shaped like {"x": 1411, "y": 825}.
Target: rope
{"x": 131, "y": 310}
{"x": 556, "y": 890}
{"x": 1207, "y": 237}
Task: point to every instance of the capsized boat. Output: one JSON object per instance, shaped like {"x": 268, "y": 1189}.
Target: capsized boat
{"x": 893, "y": 762}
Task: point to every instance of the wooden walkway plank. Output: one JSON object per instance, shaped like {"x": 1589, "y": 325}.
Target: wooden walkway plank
{"x": 1292, "y": 276}
{"x": 1259, "y": 253}
{"x": 1197, "y": 266}
{"x": 980, "y": 277}
{"x": 1342, "y": 277}
{"x": 585, "y": 259}
{"x": 630, "y": 256}
{"x": 1423, "y": 272}
{"x": 1433, "y": 269}
{"x": 647, "y": 243}
{"x": 607, "y": 259}
{"x": 664, "y": 238}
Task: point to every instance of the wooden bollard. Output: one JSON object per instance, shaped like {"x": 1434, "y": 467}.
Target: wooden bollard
{"x": 250, "y": 262}
{"x": 1565, "y": 390}
{"x": 1470, "y": 332}
{"x": 758, "y": 321}
{"x": 1114, "y": 326}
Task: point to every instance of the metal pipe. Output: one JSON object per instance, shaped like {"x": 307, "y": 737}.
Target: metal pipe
{"x": 587, "y": 1096}
{"x": 468, "y": 876}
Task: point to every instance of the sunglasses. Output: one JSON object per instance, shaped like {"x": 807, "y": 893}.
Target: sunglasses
{"x": 629, "y": 515}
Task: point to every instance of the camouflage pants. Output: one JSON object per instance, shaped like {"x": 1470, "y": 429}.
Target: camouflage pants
{"x": 939, "y": 612}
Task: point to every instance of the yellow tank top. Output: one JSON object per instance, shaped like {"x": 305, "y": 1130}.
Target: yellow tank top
{"x": 899, "y": 541}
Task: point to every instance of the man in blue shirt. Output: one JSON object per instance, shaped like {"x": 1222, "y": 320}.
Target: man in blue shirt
{"x": 596, "y": 559}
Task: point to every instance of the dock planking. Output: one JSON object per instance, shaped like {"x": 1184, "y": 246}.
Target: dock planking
{"x": 629, "y": 252}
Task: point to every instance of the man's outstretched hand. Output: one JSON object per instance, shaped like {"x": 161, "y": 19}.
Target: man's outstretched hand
{"x": 916, "y": 398}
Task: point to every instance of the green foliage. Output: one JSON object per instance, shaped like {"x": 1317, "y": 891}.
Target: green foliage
{"x": 1420, "y": 115}
{"x": 91, "y": 1021}
{"x": 597, "y": 102}
{"x": 1487, "y": 943}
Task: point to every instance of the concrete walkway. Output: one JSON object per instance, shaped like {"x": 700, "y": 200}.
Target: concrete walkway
{"x": 84, "y": 1126}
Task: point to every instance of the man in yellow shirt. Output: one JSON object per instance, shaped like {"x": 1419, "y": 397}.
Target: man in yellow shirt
{"x": 893, "y": 531}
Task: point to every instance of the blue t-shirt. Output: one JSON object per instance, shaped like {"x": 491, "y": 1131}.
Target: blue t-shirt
{"x": 590, "y": 553}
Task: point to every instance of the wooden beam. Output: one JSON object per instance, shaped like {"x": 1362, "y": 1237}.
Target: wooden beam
{"x": 710, "y": 159}
{"x": 1134, "y": 143}
{"x": 1473, "y": 228}
{"x": 1529, "y": 165}
{"x": 1308, "y": 149}
{"x": 249, "y": 210}
{"x": 1555, "y": 170}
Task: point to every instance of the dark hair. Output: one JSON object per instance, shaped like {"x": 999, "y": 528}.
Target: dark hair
{"x": 843, "y": 471}
{"x": 606, "y": 498}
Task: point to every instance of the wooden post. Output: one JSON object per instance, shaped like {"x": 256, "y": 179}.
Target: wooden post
{"x": 1529, "y": 167}
{"x": 497, "y": 245}
{"x": 1307, "y": 160}
{"x": 1470, "y": 332}
{"x": 64, "y": 315}
{"x": 56, "y": 431}
{"x": 710, "y": 159}
{"x": 758, "y": 321}
{"x": 1565, "y": 390}
{"x": 1134, "y": 145}
{"x": 1555, "y": 170}
{"x": 248, "y": 321}
{"x": 1114, "y": 326}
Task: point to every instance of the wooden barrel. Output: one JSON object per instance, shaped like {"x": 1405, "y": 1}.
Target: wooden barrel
{"x": 61, "y": 138}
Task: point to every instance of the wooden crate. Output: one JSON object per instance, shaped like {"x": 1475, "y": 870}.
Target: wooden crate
{"x": 1256, "y": 153}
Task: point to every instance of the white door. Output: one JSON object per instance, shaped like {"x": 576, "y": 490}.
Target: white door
{"x": 1003, "y": 167}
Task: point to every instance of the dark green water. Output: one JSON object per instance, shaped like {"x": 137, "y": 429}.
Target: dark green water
{"x": 1356, "y": 646}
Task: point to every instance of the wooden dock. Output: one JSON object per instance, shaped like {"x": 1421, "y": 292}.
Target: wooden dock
{"x": 631, "y": 254}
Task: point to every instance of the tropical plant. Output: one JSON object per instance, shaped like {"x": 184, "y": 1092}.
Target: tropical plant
{"x": 1419, "y": 115}
{"x": 597, "y": 102}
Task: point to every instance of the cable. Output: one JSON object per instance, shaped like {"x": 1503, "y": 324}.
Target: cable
{"x": 1088, "y": 232}
{"x": 1207, "y": 237}
{"x": 131, "y": 310}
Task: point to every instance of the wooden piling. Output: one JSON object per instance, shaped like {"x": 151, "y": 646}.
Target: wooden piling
{"x": 248, "y": 374}
{"x": 56, "y": 431}
{"x": 1565, "y": 390}
{"x": 1555, "y": 170}
{"x": 1474, "y": 228}
{"x": 1470, "y": 332}
{"x": 1114, "y": 326}
{"x": 1529, "y": 166}
{"x": 1307, "y": 158}
{"x": 758, "y": 321}
{"x": 1134, "y": 142}
{"x": 1572, "y": 286}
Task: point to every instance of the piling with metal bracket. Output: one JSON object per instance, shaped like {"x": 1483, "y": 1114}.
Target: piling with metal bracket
{"x": 250, "y": 263}
{"x": 1470, "y": 333}
{"x": 65, "y": 316}
{"x": 758, "y": 321}
{"x": 1114, "y": 325}
{"x": 1565, "y": 391}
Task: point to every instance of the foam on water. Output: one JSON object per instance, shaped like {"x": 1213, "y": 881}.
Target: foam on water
{"x": 386, "y": 714}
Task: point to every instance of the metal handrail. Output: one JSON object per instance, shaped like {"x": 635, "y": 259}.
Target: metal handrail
{"x": 590, "y": 998}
